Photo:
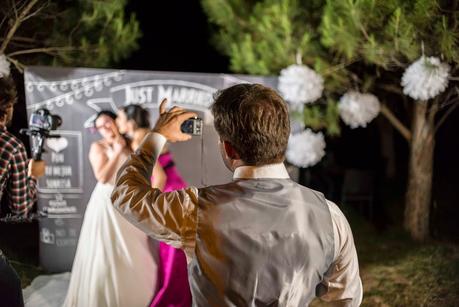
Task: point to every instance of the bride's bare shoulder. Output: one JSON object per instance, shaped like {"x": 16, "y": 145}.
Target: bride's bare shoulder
{"x": 100, "y": 145}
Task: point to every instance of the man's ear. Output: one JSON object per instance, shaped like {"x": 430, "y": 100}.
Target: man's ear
{"x": 230, "y": 151}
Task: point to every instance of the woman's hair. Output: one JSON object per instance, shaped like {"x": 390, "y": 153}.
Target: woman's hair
{"x": 8, "y": 95}
{"x": 139, "y": 115}
{"x": 108, "y": 113}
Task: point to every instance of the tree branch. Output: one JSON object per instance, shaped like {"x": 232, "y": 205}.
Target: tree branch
{"x": 446, "y": 114}
{"x": 365, "y": 34}
{"x": 23, "y": 42}
{"x": 404, "y": 131}
{"x": 19, "y": 66}
{"x": 397, "y": 62}
{"x": 35, "y": 12}
{"x": 433, "y": 111}
{"x": 23, "y": 39}
{"x": 391, "y": 88}
{"x": 48, "y": 50}
{"x": 5, "y": 17}
{"x": 447, "y": 100}
{"x": 16, "y": 24}
{"x": 340, "y": 66}
{"x": 15, "y": 8}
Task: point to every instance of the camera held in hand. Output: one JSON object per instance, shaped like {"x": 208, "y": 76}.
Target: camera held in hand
{"x": 41, "y": 123}
{"x": 192, "y": 126}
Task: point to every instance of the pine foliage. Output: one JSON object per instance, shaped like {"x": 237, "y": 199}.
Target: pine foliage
{"x": 350, "y": 42}
{"x": 71, "y": 33}
{"x": 261, "y": 37}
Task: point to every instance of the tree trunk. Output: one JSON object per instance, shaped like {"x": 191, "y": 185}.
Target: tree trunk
{"x": 419, "y": 191}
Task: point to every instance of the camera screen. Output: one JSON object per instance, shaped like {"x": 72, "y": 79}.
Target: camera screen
{"x": 37, "y": 120}
{"x": 192, "y": 126}
{"x": 187, "y": 126}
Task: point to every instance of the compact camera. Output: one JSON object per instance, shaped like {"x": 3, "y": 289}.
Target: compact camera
{"x": 192, "y": 126}
{"x": 41, "y": 123}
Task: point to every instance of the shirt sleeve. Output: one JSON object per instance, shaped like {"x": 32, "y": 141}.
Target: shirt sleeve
{"x": 341, "y": 284}
{"x": 22, "y": 190}
{"x": 169, "y": 217}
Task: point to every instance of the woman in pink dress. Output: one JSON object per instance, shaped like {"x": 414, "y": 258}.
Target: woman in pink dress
{"x": 173, "y": 289}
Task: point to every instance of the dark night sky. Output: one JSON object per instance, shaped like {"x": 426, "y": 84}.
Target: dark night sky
{"x": 176, "y": 37}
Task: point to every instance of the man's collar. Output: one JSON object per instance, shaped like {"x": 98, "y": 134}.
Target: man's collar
{"x": 277, "y": 171}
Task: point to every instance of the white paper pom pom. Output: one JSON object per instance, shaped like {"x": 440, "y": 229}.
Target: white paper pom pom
{"x": 357, "y": 109}
{"x": 425, "y": 78}
{"x": 300, "y": 84}
{"x": 4, "y": 66}
{"x": 305, "y": 148}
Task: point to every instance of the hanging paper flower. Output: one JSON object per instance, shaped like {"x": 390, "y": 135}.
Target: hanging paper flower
{"x": 4, "y": 66}
{"x": 425, "y": 78}
{"x": 357, "y": 109}
{"x": 305, "y": 148}
{"x": 300, "y": 84}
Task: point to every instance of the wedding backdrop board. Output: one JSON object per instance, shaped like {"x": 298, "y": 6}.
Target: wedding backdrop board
{"x": 76, "y": 95}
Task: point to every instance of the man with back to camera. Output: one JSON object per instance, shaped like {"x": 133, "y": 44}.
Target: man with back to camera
{"x": 260, "y": 240}
{"x": 18, "y": 181}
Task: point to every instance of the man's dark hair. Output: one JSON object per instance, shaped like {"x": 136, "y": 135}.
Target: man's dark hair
{"x": 139, "y": 115}
{"x": 8, "y": 95}
{"x": 108, "y": 113}
{"x": 254, "y": 120}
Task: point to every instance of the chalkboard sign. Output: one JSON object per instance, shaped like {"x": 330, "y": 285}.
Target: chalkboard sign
{"x": 77, "y": 94}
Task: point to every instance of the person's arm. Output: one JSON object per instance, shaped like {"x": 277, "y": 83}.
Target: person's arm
{"x": 341, "y": 284}
{"x": 22, "y": 188}
{"x": 168, "y": 217}
{"x": 103, "y": 167}
{"x": 159, "y": 177}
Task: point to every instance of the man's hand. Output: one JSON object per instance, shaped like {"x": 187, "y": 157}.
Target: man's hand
{"x": 36, "y": 168}
{"x": 169, "y": 123}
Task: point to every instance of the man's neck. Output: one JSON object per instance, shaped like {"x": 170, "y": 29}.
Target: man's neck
{"x": 236, "y": 163}
{"x": 275, "y": 170}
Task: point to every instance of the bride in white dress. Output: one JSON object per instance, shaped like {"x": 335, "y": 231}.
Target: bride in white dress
{"x": 115, "y": 263}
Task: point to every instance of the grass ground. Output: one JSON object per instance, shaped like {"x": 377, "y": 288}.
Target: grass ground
{"x": 394, "y": 270}
{"x": 398, "y": 272}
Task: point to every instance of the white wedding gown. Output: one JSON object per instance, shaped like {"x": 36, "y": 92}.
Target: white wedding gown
{"x": 115, "y": 263}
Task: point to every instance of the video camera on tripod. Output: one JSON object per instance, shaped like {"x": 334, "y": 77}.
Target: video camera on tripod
{"x": 41, "y": 123}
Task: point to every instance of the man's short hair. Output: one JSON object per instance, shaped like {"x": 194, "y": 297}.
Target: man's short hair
{"x": 8, "y": 95}
{"x": 254, "y": 120}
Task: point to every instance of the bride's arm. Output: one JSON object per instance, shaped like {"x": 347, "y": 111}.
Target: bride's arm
{"x": 104, "y": 168}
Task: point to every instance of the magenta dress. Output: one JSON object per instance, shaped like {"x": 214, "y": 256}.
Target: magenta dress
{"x": 173, "y": 288}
